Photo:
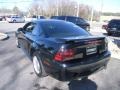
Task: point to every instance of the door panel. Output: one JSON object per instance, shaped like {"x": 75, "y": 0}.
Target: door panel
{"x": 25, "y": 37}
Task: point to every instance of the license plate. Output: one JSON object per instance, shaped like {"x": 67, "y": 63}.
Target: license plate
{"x": 91, "y": 50}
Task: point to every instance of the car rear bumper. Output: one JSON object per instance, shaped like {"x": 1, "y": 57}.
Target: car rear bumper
{"x": 67, "y": 72}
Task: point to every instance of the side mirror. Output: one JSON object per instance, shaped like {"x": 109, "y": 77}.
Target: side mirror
{"x": 20, "y": 29}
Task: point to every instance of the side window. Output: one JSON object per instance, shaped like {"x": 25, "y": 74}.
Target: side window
{"x": 37, "y": 31}
{"x": 61, "y": 18}
{"x": 80, "y": 20}
{"x": 112, "y": 23}
{"x": 29, "y": 27}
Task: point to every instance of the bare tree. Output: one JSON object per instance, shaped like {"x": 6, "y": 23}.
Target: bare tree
{"x": 60, "y": 7}
{"x": 16, "y": 10}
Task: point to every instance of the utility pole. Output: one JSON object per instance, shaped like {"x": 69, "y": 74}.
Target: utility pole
{"x": 101, "y": 10}
{"x": 77, "y": 9}
{"x": 92, "y": 13}
{"x": 57, "y": 7}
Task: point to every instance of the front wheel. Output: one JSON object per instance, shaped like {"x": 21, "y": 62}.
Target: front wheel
{"x": 38, "y": 66}
{"x": 14, "y": 21}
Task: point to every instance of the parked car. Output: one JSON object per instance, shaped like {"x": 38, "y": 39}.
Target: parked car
{"x": 41, "y": 17}
{"x": 76, "y": 20}
{"x": 113, "y": 27}
{"x": 62, "y": 49}
{"x": 104, "y": 26}
{"x": 15, "y": 19}
{"x": 1, "y": 18}
{"x": 33, "y": 18}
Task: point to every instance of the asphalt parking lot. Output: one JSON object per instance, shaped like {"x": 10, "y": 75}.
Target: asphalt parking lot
{"x": 16, "y": 72}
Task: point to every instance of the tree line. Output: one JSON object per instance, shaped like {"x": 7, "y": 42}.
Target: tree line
{"x": 61, "y": 7}
{"x": 57, "y": 7}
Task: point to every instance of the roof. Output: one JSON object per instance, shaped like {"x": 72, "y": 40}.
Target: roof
{"x": 48, "y": 20}
{"x": 66, "y": 16}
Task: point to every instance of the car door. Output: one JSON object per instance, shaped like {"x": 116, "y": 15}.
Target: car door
{"x": 14, "y": 19}
{"x": 20, "y": 19}
{"x": 17, "y": 18}
{"x": 26, "y": 36}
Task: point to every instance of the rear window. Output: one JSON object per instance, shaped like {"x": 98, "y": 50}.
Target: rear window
{"x": 76, "y": 20}
{"x": 71, "y": 19}
{"x": 62, "y": 29}
{"x": 16, "y": 17}
{"x": 114, "y": 22}
{"x": 42, "y": 17}
{"x": 58, "y": 17}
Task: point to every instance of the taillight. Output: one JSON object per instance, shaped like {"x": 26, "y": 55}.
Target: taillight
{"x": 105, "y": 46}
{"x": 64, "y": 54}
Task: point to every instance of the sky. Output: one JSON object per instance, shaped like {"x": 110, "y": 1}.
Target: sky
{"x": 21, "y": 4}
{"x": 104, "y": 5}
{"x": 99, "y": 5}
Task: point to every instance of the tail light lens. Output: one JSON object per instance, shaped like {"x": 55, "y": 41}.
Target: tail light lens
{"x": 64, "y": 54}
{"x": 105, "y": 47}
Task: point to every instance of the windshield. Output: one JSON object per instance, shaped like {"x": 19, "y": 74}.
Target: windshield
{"x": 62, "y": 29}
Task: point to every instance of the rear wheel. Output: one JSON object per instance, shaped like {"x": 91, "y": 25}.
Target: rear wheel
{"x": 14, "y": 21}
{"x": 38, "y": 66}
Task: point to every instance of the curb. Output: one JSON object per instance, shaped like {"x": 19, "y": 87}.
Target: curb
{"x": 3, "y": 36}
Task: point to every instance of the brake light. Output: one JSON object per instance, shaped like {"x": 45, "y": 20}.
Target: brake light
{"x": 64, "y": 54}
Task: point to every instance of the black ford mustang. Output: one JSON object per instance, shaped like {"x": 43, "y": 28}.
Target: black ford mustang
{"x": 62, "y": 49}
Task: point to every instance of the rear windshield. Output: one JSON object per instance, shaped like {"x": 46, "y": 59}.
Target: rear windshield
{"x": 75, "y": 20}
{"x": 114, "y": 22}
{"x": 58, "y": 17}
{"x": 71, "y": 19}
{"x": 62, "y": 29}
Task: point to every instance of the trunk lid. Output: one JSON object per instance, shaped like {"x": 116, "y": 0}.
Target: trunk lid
{"x": 85, "y": 46}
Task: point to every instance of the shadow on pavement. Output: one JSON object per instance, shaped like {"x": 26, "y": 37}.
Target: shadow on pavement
{"x": 82, "y": 85}
{"x": 10, "y": 65}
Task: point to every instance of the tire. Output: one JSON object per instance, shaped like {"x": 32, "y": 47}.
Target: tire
{"x": 14, "y": 21}
{"x": 38, "y": 66}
